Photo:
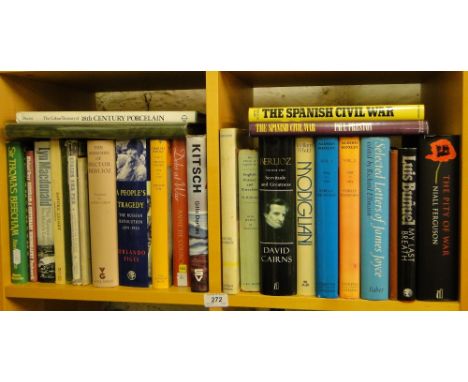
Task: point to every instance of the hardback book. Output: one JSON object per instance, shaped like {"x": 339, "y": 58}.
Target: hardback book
{"x": 83, "y": 217}
{"x": 18, "y": 213}
{"x": 103, "y": 212}
{"x": 326, "y": 221}
{"x": 249, "y": 220}
{"x": 32, "y": 225}
{"x": 349, "y": 217}
{"x": 161, "y": 222}
{"x": 438, "y": 218}
{"x": 103, "y": 117}
{"x": 230, "y": 141}
{"x": 336, "y": 113}
{"x": 305, "y": 215}
{"x": 356, "y": 128}
{"x": 44, "y": 212}
{"x": 132, "y": 177}
{"x": 277, "y": 199}
{"x": 197, "y": 212}
{"x": 179, "y": 203}
{"x": 407, "y": 223}
{"x": 393, "y": 244}
{"x": 375, "y": 222}
{"x": 61, "y": 212}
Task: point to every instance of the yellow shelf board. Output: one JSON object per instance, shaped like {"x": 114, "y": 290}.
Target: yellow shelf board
{"x": 173, "y": 295}
{"x": 256, "y": 300}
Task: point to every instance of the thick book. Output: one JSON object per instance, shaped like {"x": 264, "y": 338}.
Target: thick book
{"x": 230, "y": 141}
{"x": 249, "y": 220}
{"x": 161, "y": 222}
{"x": 103, "y": 117}
{"x": 339, "y": 128}
{"x": 197, "y": 212}
{"x": 103, "y": 212}
{"x": 375, "y": 222}
{"x": 349, "y": 217}
{"x": 393, "y": 244}
{"x": 438, "y": 218}
{"x": 326, "y": 223}
{"x": 336, "y": 113}
{"x": 32, "y": 225}
{"x": 305, "y": 215}
{"x": 277, "y": 188}
{"x": 407, "y": 223}
{"x": 179, "y": 204}
{"x": 19, "y": 256}
{"x": 83, "y": 217}
{"x": 44, "y": 213}
{"x": 132, "y": 212}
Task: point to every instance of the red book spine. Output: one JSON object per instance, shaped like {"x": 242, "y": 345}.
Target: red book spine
{"x": 32, "y": 225}
{"x": 180, "y": 215}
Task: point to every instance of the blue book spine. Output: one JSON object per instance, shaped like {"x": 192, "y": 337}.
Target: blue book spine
{"x": 132, "y": 212}
{"x": 375, "y": 223}
{"x": 326, "y": 227}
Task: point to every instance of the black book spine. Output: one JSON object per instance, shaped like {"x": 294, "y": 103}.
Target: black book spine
{"x": 407, "y": 223}
{"x": 277, "y": 174}
{"x": 438, "y": 217}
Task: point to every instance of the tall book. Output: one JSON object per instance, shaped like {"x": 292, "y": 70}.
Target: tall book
{"x": 277, "y": 188}
{"x": 83, "y": 217}
{"x": 32, "y": 225}
{"x": 180, "y": 246}
{"x": 326, "y": 223}
{"x": 375, "y": 201}
{"x": 438, "y": 214}
{"x": 349, "y": 217}
{"x": 44, "y": 213}
{"x": 230, "y": 141}
{"x": 197, "y": 212}
{"x": 132, "y": 212}
{"x": 305, "y": 215}
{"x": 161, "y": 225}
{"x": 18, "y": 213}
{"x": 103, "y": 212}
{"x": 393, "y": 245}
{"x": 249, "y": 220}
{"x": 407, "y": 223}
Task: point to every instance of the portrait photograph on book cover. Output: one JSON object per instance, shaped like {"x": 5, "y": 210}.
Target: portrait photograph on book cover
{"x": 131, "y": 160}
{"x": 275, "y": 215}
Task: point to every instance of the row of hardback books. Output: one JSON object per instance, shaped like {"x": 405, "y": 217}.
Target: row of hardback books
{"x": 124, "y": 205}
{"x": 342, "y": 214}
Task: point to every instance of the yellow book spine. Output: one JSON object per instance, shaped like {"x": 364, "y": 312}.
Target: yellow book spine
{"x": 349, "y": 214}
{"x": 305, "y": 215}
{"x": 336, "y": 113}
{"x": 161, "y": 233}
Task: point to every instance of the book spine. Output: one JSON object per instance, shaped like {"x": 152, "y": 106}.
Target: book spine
{"x": 349, "y": 217}
{"x": 197, "y": 212}
{"x": 180, "y": 269}
{"x": 18, "y": 212}
{"x": 438, "y": 224}
{"x": 32, "y": 225}
{"x": 326, "y": 223}
{"x": 393, "y": 245}
{"x": 132, "y": 212}
{"x": 277, "y": 188}
{"x": 336, "y": 113}
{"x": 103, "y": 212}
{"x": 161, "y": 226}
{"x": 83, "y": 219}
{"x": 44, "y": 213}
{"x": 375, "y": 199}
{"x": 249, "y": 220}
{"x": 407, "y": 223}
{"x": 111, "y": 117}
{"x": 305, "y": 215}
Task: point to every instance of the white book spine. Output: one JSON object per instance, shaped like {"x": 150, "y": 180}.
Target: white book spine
{"x": 83, "y": 212}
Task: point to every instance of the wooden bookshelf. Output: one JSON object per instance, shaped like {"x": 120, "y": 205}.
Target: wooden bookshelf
{"x": 228, "y": 96}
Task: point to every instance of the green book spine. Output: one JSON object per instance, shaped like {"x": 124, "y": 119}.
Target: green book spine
{"x": 18, "y": 213}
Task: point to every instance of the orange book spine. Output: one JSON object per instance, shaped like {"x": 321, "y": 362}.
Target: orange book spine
{"x": 180, "y": 214}
{"x": 349, "y": 217}
{"x": 393, "y": 224}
